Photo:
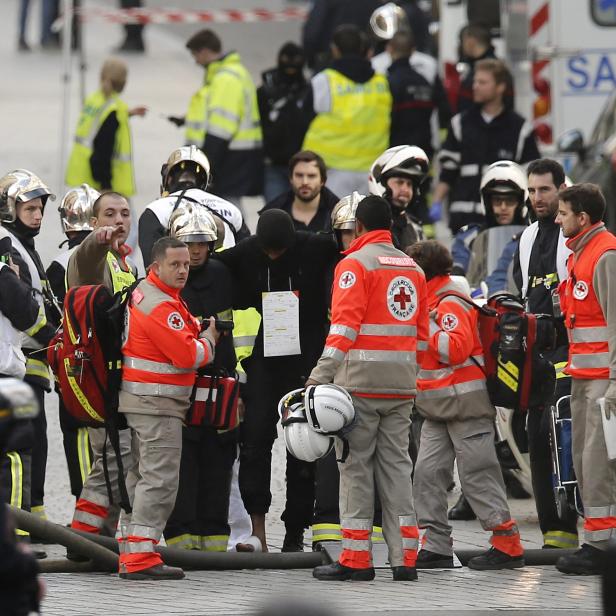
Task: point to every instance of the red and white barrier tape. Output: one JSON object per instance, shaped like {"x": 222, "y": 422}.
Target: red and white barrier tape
{"x": 180, "y": 16}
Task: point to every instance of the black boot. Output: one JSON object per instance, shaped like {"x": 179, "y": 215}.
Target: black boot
{"x": 158, "y": 572}
{"x": 494, "y": 559}
{"x": 404, "y": 574}
{"x": 432, "y": 560}
{"x": 461, "y": 510}
{"x": 339, "y": 573}
{"x": 585, "y": 561}
{"x": 293, "y": 540}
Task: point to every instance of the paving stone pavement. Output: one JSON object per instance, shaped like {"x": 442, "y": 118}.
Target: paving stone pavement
{"x": 30, "y": 112}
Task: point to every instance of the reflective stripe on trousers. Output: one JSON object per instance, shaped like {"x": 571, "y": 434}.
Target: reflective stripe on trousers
{"x": 600, "y": 523}
{"x": 356, "y": 550}
{"x": 561, "y": 539}
{"x": 506, "y": 538}
{"x": 410, "y": 539}
{"x": 17, "y": 483}
{"x": 333, "y": 532}
{"x": 137, "y": 552}
{"x": 89, "y": 515}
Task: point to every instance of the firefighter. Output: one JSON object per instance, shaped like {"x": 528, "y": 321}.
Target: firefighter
{"x": 185, "y": 177}
{"x": 199, "y": 520}
{"x": 279, "y": 263}
{"x": 588, "y": 301}
{"x": 379, "y": 325}
{"x": 101, "y": 258}
{"x": 352, "y": 107}
{"x": 163, "y": 348}
{"x": 487, "y": 132}
{"x": 229, "y": 127}
{"x": 397, "y": 175}
{"x": 76, "y": 220}
{"x": 539, "y": 265}
{"x": 19, "y": 311}
{"x": 26, "y": 195}
{"x": 458, "y": 424}
{"x": 102, "y": 152}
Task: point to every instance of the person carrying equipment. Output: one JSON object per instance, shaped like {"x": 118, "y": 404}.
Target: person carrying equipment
{"x": 379, "y": 325}
{"x": 458, "y": 424}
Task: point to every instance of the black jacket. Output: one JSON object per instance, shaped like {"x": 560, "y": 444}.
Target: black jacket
{"x": 209, "y": 293}
{"x": 305, "y": 268}
{"x": 102, "y": 151}
{"x": 321, "y": 220}
{"x": 414, "y": 100}
{"x": 17, "y": 303}
{"x": 471, "y": 144}
{"x": 283, "y": 120}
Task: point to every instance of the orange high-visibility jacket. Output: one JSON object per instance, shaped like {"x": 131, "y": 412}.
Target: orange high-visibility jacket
{"x": 162, "y": 350}
{"x": 584, "y": 319}
{"x": 379, "y": 321}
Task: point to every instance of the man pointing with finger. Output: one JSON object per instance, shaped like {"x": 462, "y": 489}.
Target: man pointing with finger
{"x": 101, "y": 259}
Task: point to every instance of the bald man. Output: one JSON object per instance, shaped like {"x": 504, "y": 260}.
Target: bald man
{"x": 102, "y": 152}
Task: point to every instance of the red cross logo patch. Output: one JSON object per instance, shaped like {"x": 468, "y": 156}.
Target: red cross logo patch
{"x": 402, "y": 298}
{"x": 449, "y": 322}
{"x": 175, "y": 321}
{"x": 580, "y": 290}
{"x": 347, "y": 279}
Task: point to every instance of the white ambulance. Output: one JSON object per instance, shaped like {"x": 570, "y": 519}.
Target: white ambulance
{"x": 562, "y": 54}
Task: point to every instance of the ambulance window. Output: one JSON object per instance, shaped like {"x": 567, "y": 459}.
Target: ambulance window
{"x": 603, "y": 12}
{"x": 486, "y": 12}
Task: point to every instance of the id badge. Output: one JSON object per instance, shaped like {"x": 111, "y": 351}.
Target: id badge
{"x": 281, "y": 323}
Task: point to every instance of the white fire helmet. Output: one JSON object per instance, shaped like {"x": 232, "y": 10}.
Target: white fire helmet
{"x": 387, "y": 20}
{"x": 343, "y": 214}
{"x": 20, "y": 186}
{"x": 329, "y": 408}
{"x": 504, "y": 176}
{"x": 301, "y": 440}
{"x": 399, "y": 161}
{"x": 76, "y": 208}
{"x": 192, "y": 222}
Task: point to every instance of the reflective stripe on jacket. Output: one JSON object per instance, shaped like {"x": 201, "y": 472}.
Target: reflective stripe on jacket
{"x": 451, "y": 384}
{"x": 584, "y": 319}
{"x": 379, "y": 321}
{"x": 95, "y": 111}
{"x": 355, "y": 130}
{"x": 195, "y": 122}
{"x": 162, "y": 351}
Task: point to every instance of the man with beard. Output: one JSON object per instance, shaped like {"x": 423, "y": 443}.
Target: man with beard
{"x": 309, "y": 202}
{"x": 539, "y": 265}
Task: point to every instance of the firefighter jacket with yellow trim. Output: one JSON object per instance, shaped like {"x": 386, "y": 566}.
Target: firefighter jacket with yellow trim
{"x": 379, "y": 321}
{"x": 162, "y": 351}
{"x": 195, "y": 121}
{"x": 451, "y": 384}
{"x": 588, "y": 302}
{"x": 96, "y": 110}
{"x": 351, "y": 128}
{"x": 232, "y": 130}
{"x": 35, "y": 338}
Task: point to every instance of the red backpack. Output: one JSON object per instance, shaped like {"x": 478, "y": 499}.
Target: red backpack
{"x": 517, "y": 374}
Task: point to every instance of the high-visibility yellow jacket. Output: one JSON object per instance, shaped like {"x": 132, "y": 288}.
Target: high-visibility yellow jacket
{"x": 95, "y": 111}
{"x": 355, "y": 128}
{"x": 196, "y": 118}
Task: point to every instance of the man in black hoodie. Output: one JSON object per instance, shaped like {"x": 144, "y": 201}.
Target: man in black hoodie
{"x": 353, "y": 107}
{"x": 308, "y": 202}
{"x": 279, "y": 260}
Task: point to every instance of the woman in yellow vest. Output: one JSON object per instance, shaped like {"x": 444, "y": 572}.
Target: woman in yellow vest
{"x": 102, "y": 152}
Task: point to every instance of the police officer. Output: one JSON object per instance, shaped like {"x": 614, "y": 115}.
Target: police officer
{"x": 102, "y": 152}
{"x": 27, "y": 194}
{"x": 229, "y": 121}
{"x": 76, "y": 219}
{"x": 293, "y": 266}
{"x": 459, "y": 424}
{"x": 588, "y": 301}
{"x": 163, "y": 348}
{"x": 101, "y": 258}
{"x": 19, "y": 311}
{"x": 379, "y": 324}
{"x": 539, "y": 265}
{"x": 199, "y": 520}
{"x": 352, "y": 106}
{"x": 485, "y": 133}
{"x": 397, "y": 175}
{"x": 185, "y": 178}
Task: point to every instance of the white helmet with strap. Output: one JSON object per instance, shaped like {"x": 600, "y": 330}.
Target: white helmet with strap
{"x": 329, "y": 408}
{"x": 504, "y": 176}
{"x": 400, "y": 161}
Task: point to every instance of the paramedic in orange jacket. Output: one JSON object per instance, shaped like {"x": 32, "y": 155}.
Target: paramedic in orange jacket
{"x": 163, "y": 348}
{"x": 378, "y": 327}
{"x": 588, "y": 301}
{"x": 459, "y": 424}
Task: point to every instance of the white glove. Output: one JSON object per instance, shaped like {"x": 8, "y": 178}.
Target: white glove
{"x": 610, "y": 400}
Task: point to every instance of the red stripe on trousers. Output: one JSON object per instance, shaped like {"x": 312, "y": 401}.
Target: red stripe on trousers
{"x": 509, "y": 544}
{"x": 591, "y": 524}
{"x": 138, "y": 561}
{"x": 356, "y": 559}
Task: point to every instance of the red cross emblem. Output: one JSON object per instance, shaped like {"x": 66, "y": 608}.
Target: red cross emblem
{"x": 175, "y": 321}
{"x": 347, "y": 279}
{"x": 402, "y": 297}
{"x": 449, "y": 322}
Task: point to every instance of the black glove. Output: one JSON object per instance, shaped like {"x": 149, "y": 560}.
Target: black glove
{"x": 177, "y": 120}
